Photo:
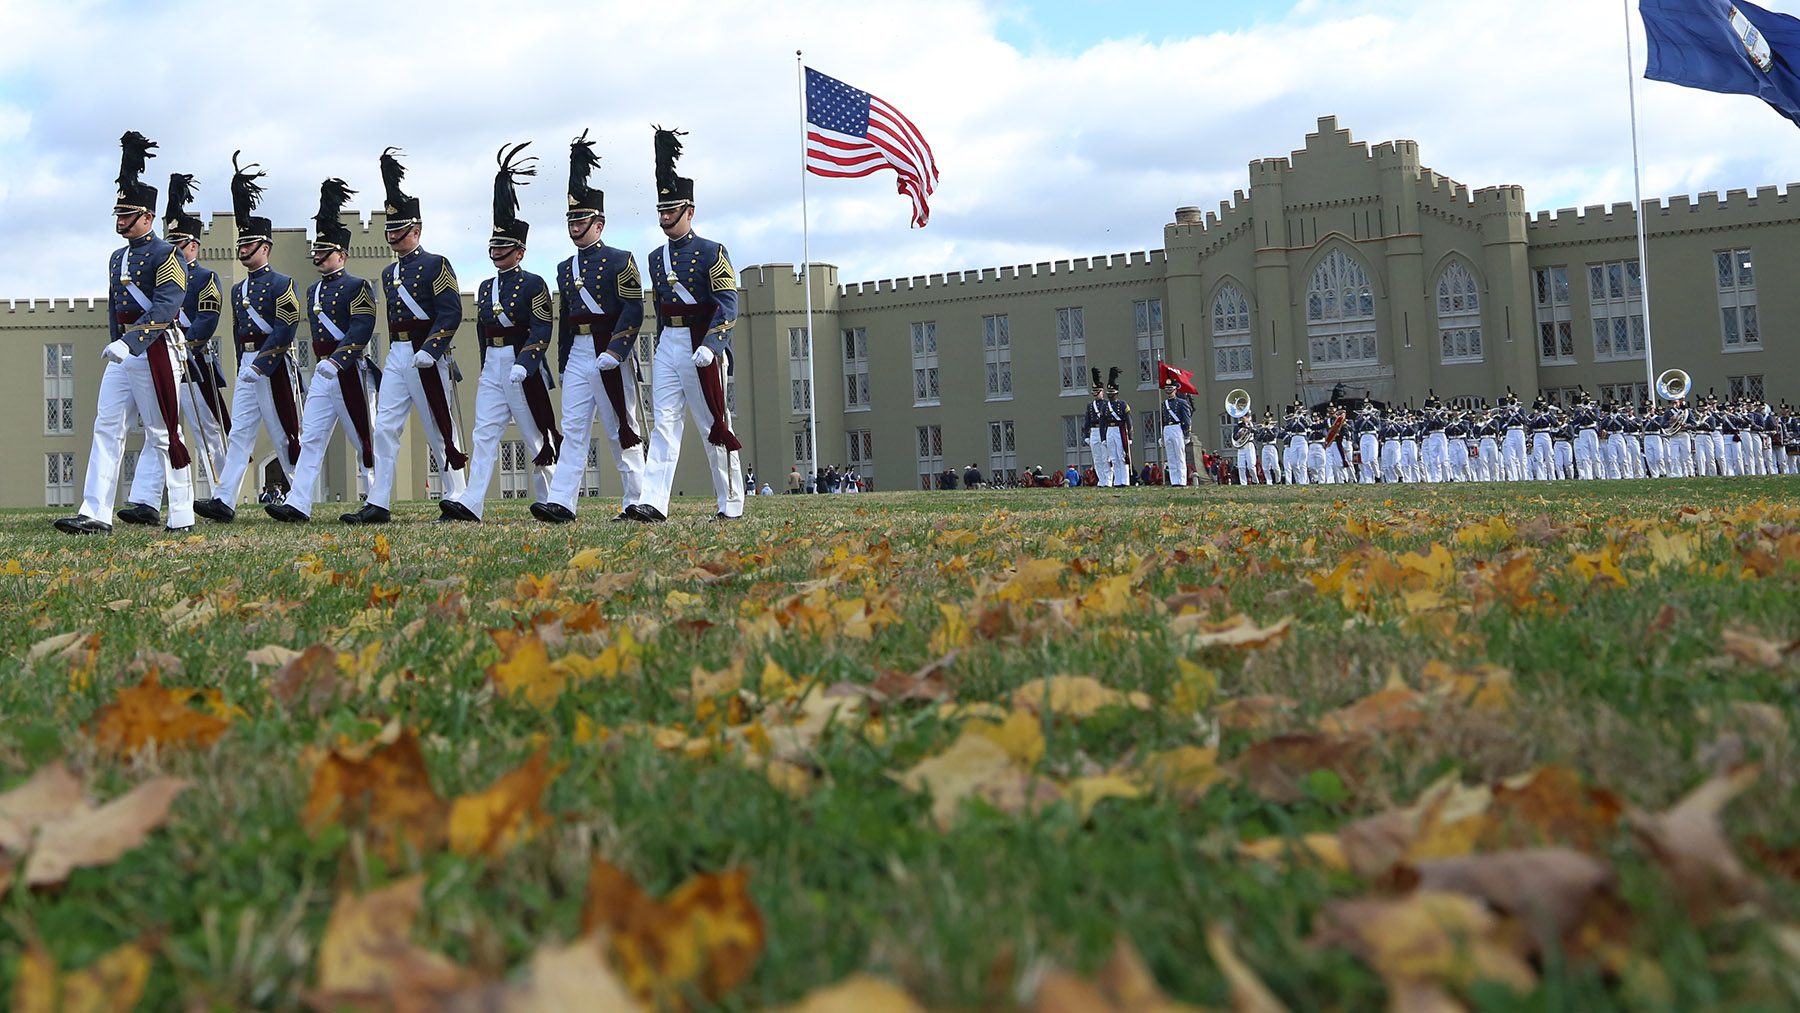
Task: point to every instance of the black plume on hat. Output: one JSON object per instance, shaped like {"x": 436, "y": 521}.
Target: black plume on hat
{"x": 1098, "y": 383}
{"x": 401, "y": 209}
{"x": 1112, "y": 379}
{"x": 246, "y": 194}
{"x": 584, "y": 200}
{"x": 671, "y": 190}
{"x": 134, "y": 195}
{"x": 178, "y": 222}
{"x": 508, "y": 229}
{"x": 330, "y": 233}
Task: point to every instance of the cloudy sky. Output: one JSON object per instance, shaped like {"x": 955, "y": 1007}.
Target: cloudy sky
{"x": 1060, "y": 129}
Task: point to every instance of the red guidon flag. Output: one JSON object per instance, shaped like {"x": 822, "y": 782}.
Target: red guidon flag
{"x": 1182, "y": 378}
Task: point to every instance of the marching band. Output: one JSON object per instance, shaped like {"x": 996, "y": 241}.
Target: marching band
{"x": 163, "y": 369}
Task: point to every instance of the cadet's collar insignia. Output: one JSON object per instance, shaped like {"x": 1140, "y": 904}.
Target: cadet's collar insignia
{"x": 390, "y": 209}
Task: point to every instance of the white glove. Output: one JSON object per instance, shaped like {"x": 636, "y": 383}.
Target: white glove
{"x": 327, "y": 370}
{"x": 703, "y": 357}
{"x": 518, "y": 374}
{"x": 423, "y": 359}
{"x": 116, "y": 351}
{"x": 608, "y": 360}
{"x": 248, "y": 374}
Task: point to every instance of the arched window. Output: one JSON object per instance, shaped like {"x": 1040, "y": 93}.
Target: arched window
{"x": 1459, "y": 314}
{"x": 1231, "y": 335}
{"x": 1340, "y": 313}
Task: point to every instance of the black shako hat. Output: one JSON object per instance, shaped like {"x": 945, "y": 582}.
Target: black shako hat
{"x": 508, "y": 229}
{"x": 329, "y": 231}
{"x": 672, "y": 191}
{"x": 1098, "y": 384}
{"x": 179, "y": 224}
{"x": 584, "y": 201}
{"x": 134, "y": 196}
{"x": 246, "y": 194}
{"x": 1112, "y": 380}
{"x": 401, "y": 210}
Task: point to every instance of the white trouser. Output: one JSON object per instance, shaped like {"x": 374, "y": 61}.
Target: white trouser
{"x": 401, "y": 391}
{"x": 1587, "y": 454}
{"x": 1489, "y": 458}
{"x": 583, "y": 400}
{"x": 1370, "y": 446}
{"x": 1512, "y": 454}
{"x": 1614, "y": 454}
{"x": 1315, "y": 462}
{"x": 1296, "y": 460}
{"x": 126, "y": 387}
{"x": 325, "y": 408}
{"x": 1390, "y": 460}
{"x": 674, "y": 385}
{"x": 1653, "y": 456}
{"x": 1175, "y": 453}
{"x": 1112, "y": 447}
{"x": 205, "y": 442}
{"x": 252, "y": 409}
{"x": 1246, "y": 464}
{"x": 1271, "y": 463}
{"x": 1562, "y": 458}
{"x": 1703, "y": 454}
{"x": 498, "y": 401}
{"x": 1409, "y": 460}
{"x": 1634, "y": 456}
{"x": 1540, "y": 456}
{"x": 1433, "y": 455}
{"x": 1458, "y": 468}
{"x": 1677, "y": 455}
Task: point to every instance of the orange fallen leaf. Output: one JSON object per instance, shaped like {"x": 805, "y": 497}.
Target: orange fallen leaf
{"x": 708, "y": 933}
{"x": 367, "y": 959}
{"x": 152, "y": 713}
{"x": 93, "y": 837}
{"x": 492, "y": 822}
{"x": 559, "y": 979}
{"x": 1122, "y": 985}
{"x": 388, "y": 793}
{"x": 112, "y": 984}
{"x": 1073, "y": 696}
{"x": 1238, "y": 631}
{"x": 1550, "y": 805}
{"x": 309, "y": 678}
{"x": 1396, "y": 707}
{"x": 382, "y": 549}
{"x": 1424, "y": 942}
{"x": 1277, "y": 768}
{"x": 1551, "y": 892}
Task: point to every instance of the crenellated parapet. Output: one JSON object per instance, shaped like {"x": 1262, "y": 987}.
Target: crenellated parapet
{"x": 988, "y": 282}
{"x": 1738, "y": 209}
{"x": 55, "y": 314}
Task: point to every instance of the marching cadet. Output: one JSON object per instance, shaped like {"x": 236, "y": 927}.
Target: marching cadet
{"x": 1586, "y": 418}
{"x": 1457, "y": 430}
{"x": 200, "y": 392}
{"x": 600, "y": 311}
{"x": 264, "y": 314}
{"x": 696, "y": 308}
{"x": 1512, "y": 438}
{"x": 1177, "y": 423}
{"x": 1367, "y": 427}
{"x": 1243, "y": 438}
{"x": 1562, "y": 445}
{"x": 424, "y": 309}
{"x": 146, "y": 283}
{"x": 513, "y": 322}
{"x": 341, "y": 309}
{"x": 1268, "y": 435}
{"x": 1121, "y": 413}
{"x": 1094, "y": 420}
{"x": 1295, "y": 427}
{"x": 1434, "y": 451}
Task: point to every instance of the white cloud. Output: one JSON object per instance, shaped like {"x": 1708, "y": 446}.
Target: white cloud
{"x": 1044, "y": 154}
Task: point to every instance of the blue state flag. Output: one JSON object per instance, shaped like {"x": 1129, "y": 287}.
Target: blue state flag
{"x": 1725, "y": 46}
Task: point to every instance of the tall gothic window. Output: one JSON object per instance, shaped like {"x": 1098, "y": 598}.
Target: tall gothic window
{"x": 1340, "y": 313}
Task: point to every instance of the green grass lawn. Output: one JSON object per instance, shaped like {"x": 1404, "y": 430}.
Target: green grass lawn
{"x": 1639, "y": 629}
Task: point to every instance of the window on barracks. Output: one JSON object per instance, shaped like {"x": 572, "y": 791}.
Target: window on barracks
{"x": 1738, "y": 324}
{"x": 1147, "y": 321}
{"x": 1615, "y": 299}
{"x": 1071, "y": 350}
{"x": 1340, "y": 313}
{"x": 1459, "y": 315}
{"x": 996, "y": 345}
{"x": 799, "y": 361}
{"x": 856, "y": 369}
{"x": 1556, "y": 328}
{"x": 925, "y": 364}
{"x": 1746, "y": 386}
{"x": 1231, "y": 335}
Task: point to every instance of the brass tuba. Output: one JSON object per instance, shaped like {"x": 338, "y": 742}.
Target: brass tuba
{"x": 1237, "y": 404}
{"x": 1674, "y": 384}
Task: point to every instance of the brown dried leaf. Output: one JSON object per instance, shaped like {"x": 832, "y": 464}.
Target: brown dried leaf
{"x": 1425, "y": 938}
{"x": 367, "y": 959}
{"x": 309, "y": 679}
{"x": 1248, "y": 993}
{"x": 1277, "y": 768}
{"x": 1756, "y": 650}
{"x": 859, "y": 993}
{"x": 708, "y": 933}
{"x": 52, "y": 793}
{"x": 1693, "y": 848}
{"x": 1239, "y": 631}
{"x": 92, "y": 837}
{"x": 389, "y": 794}
{"x": 112, "y": 984}
{"x": 510, "y": 811}
{"x": 152, "y": 713}
{"x": 1550, "y": 805}
{"x": 1551, "y": 891}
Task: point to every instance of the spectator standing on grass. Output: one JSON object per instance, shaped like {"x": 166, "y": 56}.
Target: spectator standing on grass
{"x": 766, "y": 490}
{"x": 971, "y": 476}
{"x": 794, "y": 481}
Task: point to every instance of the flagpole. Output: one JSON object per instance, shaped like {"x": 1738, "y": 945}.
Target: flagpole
{"x": 1637, "y": 206}
{"x": 812, "y": 414}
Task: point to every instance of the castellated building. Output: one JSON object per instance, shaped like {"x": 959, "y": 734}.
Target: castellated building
{"x": 1341, "y": 267}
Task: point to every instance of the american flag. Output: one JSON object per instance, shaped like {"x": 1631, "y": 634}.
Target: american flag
{"x": 853, "y": 133}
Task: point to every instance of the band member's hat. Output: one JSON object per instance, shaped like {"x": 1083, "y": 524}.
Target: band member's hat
{"x": 584, "y": 201}
{"x": 672, "y": 191}
{"x": 329, "y": 232}
{"x": 1112, "y": 380}
{"x": 134, "y": 196}
{"x": 179, "y": 224}
{"x": 1098, "y": 384}
{"x": 401, "y": 209}
{"x": 246, "y": 194}
{"x": 508, "y": 229}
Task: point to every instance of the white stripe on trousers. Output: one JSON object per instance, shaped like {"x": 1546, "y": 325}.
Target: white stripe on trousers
{"x": 584, "y": 400}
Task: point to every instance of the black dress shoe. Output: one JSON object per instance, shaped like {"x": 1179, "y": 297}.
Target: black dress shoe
{"x": 177, "y": 531}
{"x": 541, "y": 511}
{"x": 369, "y": 514}
{"x": 623, "y": 515}
{"x": 552, "y": 513}
{"x": 138, "y": 513}
{"x": 451, "y": 510}
{"x": 215, "y": 509}
{"x": 646, "y": 514}
{"x": 286, "y": 514}
{"x": 723, "y": 516}
{"x": 81, "y": 524}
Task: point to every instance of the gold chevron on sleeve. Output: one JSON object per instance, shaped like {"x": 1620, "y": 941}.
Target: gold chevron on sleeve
{"x": 723, "y": 277}
{"x": 446, "y": 281}
{"x": 287, "y": 306}
{"x": 631, "y": 287}
{"x": 172, "y": 270}
{"x": 362, "y": 305}
{"x": 209, "y": 296}
{"x": 540, "y": 304}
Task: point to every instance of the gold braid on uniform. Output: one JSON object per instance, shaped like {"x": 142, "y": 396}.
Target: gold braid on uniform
{"x": 363, "y": 305}
{"x": 172, "y": 270}
{"x": 210, "y": 300}
{"x": 540, "y": 304}
{"x": 446, "y": 282}
{"x": 287, "y": 306}
{"x": 631, "y": 287}
{"x": 722, "y": 274}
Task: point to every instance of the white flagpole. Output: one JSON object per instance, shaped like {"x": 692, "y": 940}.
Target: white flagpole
{"x": 1637, "y": 207}
{"x": 812, "y": 415}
